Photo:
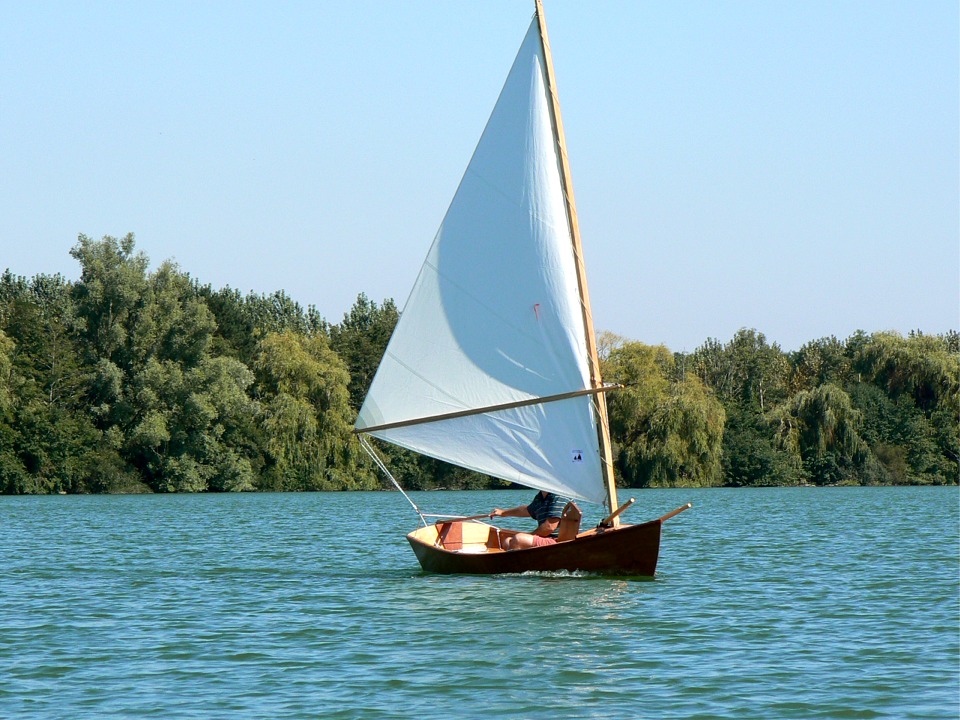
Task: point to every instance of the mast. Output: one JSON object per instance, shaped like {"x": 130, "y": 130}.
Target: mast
{"x": 600, "y": 403}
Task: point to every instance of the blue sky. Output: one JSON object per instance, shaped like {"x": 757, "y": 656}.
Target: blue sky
{"x": 786, "y": 166}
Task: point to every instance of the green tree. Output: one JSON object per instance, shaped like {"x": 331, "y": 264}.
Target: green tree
{"x": 361, "y": 339}
{"x": 172, "y": 322}
{"x": 923, "y": 370}
{"x": 750, "y": 457}
{"x": 665, "y": 432}
{"x": 607, "y": 342}
{"x": 920, "y": 366}
{"x": 41, "y": 317}
{"x": 820, "y": 428}
{"x": 110, "y": 292}
{"x": 6, "y": 368}
{"x": 746, "y": 370}
{"x": 236, "y": 335}
{"x": 186, "y": 415}
{"x": 820, "y": 362}
{"x": 50, "y": 443}
{"x": 243, "y": 321}
{"x": 306, "y": 416}
{"x": 180, "y": 417}
{"x": 191, "y": 425}
{"x": 902, "y": 439}
{"x": 13, "y": 473}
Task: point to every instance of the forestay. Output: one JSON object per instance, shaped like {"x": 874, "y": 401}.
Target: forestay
{"x": 494, "y": 317}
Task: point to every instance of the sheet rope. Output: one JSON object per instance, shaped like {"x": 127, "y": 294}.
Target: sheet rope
{"x": 368, "y": 448}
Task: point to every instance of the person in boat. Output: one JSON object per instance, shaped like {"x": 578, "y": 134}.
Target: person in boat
{"x": 546, "y": 509}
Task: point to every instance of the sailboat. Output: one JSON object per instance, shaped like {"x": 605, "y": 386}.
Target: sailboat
{"x": 493, "y": 364}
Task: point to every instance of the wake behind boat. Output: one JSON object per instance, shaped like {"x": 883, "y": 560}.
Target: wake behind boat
{"x": 493, "y": 365}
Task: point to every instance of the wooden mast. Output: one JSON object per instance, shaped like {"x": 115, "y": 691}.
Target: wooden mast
{"x": 600, "y": 403}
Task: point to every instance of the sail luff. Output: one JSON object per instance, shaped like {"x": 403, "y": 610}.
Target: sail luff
{"x": 600, "y": 404}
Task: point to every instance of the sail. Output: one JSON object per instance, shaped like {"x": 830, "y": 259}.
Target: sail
{"x": 494, "y": 317}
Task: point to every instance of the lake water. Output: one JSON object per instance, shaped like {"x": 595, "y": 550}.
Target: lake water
{"x": 779, "y": 603}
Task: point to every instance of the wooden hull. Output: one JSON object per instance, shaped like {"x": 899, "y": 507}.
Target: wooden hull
{"x": 474, "y": 548}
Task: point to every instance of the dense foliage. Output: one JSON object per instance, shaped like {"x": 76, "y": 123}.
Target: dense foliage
{"x": 129, "y": 380}
{"x": 875, "y": 409}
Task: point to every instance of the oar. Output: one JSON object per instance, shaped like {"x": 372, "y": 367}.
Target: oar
{"x": 676, "y": 512}
{"x": 608, "y": 520}
{"x": 463, "y": 519}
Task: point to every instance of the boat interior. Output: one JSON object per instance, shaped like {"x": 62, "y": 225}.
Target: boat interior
{"x": 472, "y": 537}
{"x": 462, "y": 537}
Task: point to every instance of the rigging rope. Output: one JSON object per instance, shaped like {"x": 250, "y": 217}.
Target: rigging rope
{"x": 365, "y": 444}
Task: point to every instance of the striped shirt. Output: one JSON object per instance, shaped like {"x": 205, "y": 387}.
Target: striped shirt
{"x": 550, "y": 506}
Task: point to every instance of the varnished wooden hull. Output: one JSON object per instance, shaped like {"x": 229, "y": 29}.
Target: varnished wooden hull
{"x": 473, "y": 548}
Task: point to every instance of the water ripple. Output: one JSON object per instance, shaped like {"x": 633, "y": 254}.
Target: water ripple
{"x": 789, "y": 603}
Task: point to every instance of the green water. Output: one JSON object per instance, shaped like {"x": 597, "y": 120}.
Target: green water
{"x": 781, "y": 603}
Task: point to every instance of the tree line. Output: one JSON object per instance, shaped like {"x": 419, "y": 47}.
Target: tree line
{"x": 131, "y": 380}
{"x": 875, "y": 409}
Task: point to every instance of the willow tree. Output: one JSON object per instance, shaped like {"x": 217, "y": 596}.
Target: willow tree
{"x": 820, "y": 429}
{"x": 667, "y": 432}
{"x": 306, "y": 418}
{"x": 921, "y": 367}
{"x": 915, "y": 425}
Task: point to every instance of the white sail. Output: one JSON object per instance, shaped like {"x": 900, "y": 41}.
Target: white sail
{"x": 494, "y": 317}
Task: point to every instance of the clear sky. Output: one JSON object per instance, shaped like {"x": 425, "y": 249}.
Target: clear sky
{"x": 786, "y": 166}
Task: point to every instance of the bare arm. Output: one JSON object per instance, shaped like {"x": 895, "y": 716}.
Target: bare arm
{"x": 544, "y": 529}
{"x": 547, "y": 527}
{"x": 518, "y": 511}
